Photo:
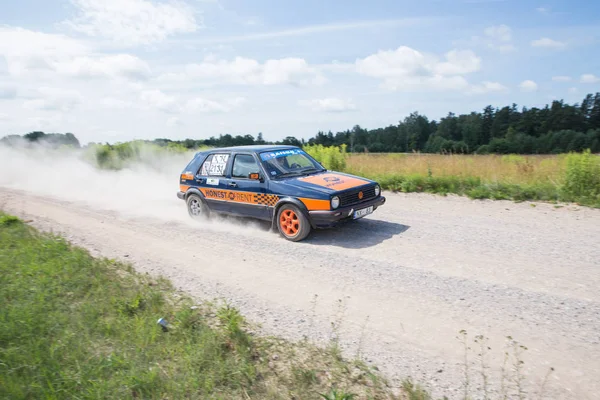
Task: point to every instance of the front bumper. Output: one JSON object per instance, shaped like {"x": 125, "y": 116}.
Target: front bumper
{"x": 323, "y": 219}
{"x": 181, "y": 195}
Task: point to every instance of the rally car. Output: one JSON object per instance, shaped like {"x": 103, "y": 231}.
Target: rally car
{"x": 280, "y": 184}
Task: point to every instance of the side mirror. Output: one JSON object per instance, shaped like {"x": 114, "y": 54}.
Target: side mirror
{"x": 254, "y": 176}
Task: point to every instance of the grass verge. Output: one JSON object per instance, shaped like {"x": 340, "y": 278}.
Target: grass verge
{"x": 74, "y": 326}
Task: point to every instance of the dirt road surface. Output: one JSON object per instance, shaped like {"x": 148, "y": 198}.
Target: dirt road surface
{"x": 397, "y": 286}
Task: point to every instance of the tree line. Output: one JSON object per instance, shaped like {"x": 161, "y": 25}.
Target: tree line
{"x": 556, "y": 128}
{"x": 52, "y": 140}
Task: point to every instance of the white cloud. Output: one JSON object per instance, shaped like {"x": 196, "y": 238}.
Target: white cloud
{"x": 199, "y": 104}
{"x": 498, "y": 37}
{"x": 174, "y": 122}
{"x": 548, "y": 43}
{"x": 501, "y": 33}
{"x": 589, "y": 78}
{"x": 543, "y": 10}
{"x": 573, "y": 90}
{"x": 406, "y": 68}
{"x": 157, "y": 99}
{"x": 123, "y": 65}
{"x": 30, "y": 52}
{"x": 54, "y": 99}
{"x": 132, "y": 21}
{"x": 488, "y": 87}
{"x": 111, "y": 102}
{"x": 459, "y": 63}
{"x": 247, "y": 71}
{"x": 24, "y": 42}
{"x": 403, "y": 61}
{"x": 330, "y": 104}
{"x": 528, "y": 86}
{"x": 8, "y": 92}
{"x": 561, "y": 78}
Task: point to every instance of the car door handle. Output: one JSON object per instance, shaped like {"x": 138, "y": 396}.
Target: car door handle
{"x": 232, "y": 184}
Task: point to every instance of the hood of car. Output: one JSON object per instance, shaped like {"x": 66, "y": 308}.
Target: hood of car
{"x": 327, "y": 182}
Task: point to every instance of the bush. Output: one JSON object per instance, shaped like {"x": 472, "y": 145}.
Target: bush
{"x": 582, "y": 176}
{"x": 122, "y": 155}
{"x": 332, "y": 157}
{"x": 483, "y": 149}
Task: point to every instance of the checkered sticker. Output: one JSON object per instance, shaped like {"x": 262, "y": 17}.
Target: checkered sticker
{"x": 266, "y": 199}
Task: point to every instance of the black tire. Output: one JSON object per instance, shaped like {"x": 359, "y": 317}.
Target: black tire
{"x": 291, "y": 223}
{"x": 196, "y": 207}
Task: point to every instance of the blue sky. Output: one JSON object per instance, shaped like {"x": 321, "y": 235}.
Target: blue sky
{"x": 115, "y": 70}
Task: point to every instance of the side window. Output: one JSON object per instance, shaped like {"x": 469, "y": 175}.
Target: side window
{"x": 244, "y": 165}
{"x": 214, "y": 165}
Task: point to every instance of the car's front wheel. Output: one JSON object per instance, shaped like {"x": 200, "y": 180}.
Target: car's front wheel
{"x": 292, "y": 223}
{"x": 196, "y": 207}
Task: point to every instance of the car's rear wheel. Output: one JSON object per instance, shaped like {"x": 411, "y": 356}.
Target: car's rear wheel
{"x": 292, "y": 223}
{"x": 196, "y": 207}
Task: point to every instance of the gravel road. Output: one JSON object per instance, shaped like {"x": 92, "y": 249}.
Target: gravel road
{"x": 397, "y": 286}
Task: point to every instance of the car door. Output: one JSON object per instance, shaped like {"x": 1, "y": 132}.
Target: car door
{"x": 211, "y": 180}
{"x": 248, "y": 192}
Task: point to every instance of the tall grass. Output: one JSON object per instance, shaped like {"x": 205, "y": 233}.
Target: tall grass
{"x": 513, "y": 169}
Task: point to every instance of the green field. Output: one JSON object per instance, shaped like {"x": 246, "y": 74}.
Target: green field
{"x": 83, "y": 328}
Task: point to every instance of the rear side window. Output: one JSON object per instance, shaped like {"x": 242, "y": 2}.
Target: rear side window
{"x": 244, "y": 165}
{"x": 214, "y": 165}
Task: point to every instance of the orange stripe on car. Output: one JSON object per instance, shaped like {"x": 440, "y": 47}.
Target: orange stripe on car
{"x": 314, "y": 204}
{"x": 255, "y": 198}
{"x": 334, "y": 181}
{"x": 240, "y": 197}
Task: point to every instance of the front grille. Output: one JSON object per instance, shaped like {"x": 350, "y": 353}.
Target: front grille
{"x": 351, "y": 197}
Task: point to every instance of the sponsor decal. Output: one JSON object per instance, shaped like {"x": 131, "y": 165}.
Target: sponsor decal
{"x": 239, "y": 197}
{"x": 215, "y": 194}
{"x": 330, "y": 179}
{"x": 212, "y": 181}
{"x": 334, "y": 181}
{"x": 277, "y": 154}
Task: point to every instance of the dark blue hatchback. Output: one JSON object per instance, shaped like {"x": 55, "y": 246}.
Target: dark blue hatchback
{"x": 281, "y": 184}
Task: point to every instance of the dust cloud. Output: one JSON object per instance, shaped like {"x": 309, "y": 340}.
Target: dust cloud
{"x": 143, "y": 189}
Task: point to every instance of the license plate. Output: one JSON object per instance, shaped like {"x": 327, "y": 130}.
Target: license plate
{"x": 363, "y": 212}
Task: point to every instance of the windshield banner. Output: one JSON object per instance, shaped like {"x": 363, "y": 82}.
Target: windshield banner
{"x": 277, "y": 154}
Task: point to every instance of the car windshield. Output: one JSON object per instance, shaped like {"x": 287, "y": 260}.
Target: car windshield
{"x": 291, "y": 162}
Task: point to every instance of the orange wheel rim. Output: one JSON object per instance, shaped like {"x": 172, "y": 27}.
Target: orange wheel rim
{"x": 289, "y": 223}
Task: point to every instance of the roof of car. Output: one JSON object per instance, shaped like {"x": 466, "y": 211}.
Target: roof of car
{"x": 253, "y": 148}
